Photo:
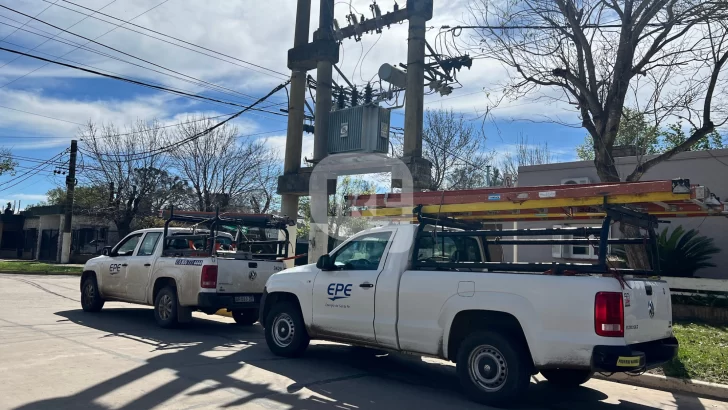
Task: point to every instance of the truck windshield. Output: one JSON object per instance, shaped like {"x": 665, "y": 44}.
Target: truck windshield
{"x": 362, "y": 253}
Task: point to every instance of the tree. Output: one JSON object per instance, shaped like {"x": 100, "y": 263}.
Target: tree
{"x": 675, "y": 135}
{"x": 340, "y": 223}
{"x": 599, "y": 55}
{"x": 7, "y": 164}
{"x": 223, "y": 169}
{"x": 134, "y": 162}
{"x": 455, "y": 148}
{"x": 595, "y": 55}
{"x": 85, "y": 198}
{"x": 525, "y": 154}
{"x": 634, "y": 131}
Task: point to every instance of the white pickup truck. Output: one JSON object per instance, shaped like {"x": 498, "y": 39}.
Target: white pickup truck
{"x": 177, "y": 278}
{"x": 377, "y": 290}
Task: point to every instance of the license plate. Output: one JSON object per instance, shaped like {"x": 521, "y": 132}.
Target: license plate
{"x": 244, "y": 299}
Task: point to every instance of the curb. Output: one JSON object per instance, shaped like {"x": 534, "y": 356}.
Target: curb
{"x": 671, "y": 384}
{"x": 45, "y": 273}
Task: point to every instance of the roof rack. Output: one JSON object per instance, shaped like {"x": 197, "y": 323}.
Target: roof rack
{"x": 665, "y": 199}
{"x": 213, "y": 220}
{"x": 565, "y": 236}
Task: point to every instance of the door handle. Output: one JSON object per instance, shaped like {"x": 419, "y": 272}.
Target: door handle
{"x": 147, "y": 264}
{"x": 124, "y": 264}
{"x": 366, "y": 285}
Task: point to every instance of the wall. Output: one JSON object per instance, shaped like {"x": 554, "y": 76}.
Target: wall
{"x": 708, "y": 168}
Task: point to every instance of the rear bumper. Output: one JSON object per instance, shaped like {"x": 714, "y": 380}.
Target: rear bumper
{"x": 230, "y": 301}
{"x": 640, "y": 356}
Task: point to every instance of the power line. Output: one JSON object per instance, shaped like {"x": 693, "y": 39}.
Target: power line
{"x": 36, "y": 69}
{"x": 141, "y": 83}
{"x": 196, "y": 136}
{"x": 81, "y": 46}
{"x": 44, "y": 116}
{"x": 24, "y": 24}
{"x": 31, "y": 19}
{"x": 172, "y": 37}
{"x": 41, "y": 167}
{"x": 123, "y": 52}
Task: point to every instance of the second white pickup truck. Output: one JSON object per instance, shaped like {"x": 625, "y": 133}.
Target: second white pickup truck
{"x": 411, "y": 289}
{"x": 180, "y": 270}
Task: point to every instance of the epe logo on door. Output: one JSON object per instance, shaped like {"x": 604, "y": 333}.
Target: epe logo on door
{"x": 114, "y": 268}
{"x": 339, "y": 291}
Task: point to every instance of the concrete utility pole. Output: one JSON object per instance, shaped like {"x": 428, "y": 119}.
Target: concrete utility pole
{"x": 68, "y": 219}
{"x": 419, "y": 11}
{"x": 319, "y": 236}
{"x": 296, "y": 114}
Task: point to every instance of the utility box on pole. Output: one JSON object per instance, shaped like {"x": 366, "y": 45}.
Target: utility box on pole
{"x": 364, "y": 128}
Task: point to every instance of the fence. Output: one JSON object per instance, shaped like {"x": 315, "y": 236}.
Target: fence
{"x": 699, "y": 299}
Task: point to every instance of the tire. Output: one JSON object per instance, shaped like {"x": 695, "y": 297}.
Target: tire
{"x": 285, "y": 331}
{"x": 493, "y": 368}
{"x": 245, "y": 317}
{"x": 91, "y": 300}
{"x": 165, "y": 307}
{"x": 567, "y": 377}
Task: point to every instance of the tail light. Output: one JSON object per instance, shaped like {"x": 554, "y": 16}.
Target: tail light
{"x": 609, "y": 314}
{"x": 208, "y": 279}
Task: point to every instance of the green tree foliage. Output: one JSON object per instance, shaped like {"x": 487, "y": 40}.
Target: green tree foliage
{"x": 7, "y": 164}
{"x": 340, "y": 223}
{"x": 634, "y": 131}
{"x": 675, "y": 135}
{"x": 682, "y": 253}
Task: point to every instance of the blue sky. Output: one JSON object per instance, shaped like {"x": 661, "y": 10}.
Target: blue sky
{"x": 259, "y": 32}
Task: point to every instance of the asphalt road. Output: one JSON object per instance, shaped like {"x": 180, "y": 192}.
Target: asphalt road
{"x": 54, "y": 356}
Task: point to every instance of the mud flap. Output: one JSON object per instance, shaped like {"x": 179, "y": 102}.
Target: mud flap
{"x": 184, "y": 314}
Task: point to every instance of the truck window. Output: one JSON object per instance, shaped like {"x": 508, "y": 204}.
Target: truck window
{"x": 362, "y": 253}
{"x": 127, "y": 246}
{"x": 448, "y": 249}
{"x": 149, "y": 244}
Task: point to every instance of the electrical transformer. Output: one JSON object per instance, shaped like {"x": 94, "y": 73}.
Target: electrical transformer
{"x": 364, "y": 128}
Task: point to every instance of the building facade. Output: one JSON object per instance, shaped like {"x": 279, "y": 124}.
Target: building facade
{"x": 707, "y": 168}
{"x": 36, "y": 234}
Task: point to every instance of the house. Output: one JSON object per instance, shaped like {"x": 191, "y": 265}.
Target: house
{"x": 35, "y": 234}
{"x": 708, "y": 168}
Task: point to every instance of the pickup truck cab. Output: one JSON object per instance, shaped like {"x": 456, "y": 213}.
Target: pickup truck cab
{"x": 414, "y": 289}
{"x": 163, "y": 268}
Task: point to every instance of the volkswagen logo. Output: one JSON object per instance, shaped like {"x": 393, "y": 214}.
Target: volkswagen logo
{"x": 253, "y": 274}
{"x": 651, "y": 309}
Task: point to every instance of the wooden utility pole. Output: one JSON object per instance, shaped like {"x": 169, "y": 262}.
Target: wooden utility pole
{"x": 68, "y": 219}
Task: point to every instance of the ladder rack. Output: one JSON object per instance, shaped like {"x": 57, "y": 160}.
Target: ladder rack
{"x": 664, "y": 199}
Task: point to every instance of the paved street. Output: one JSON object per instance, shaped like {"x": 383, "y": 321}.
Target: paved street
{"x": 54, "y": 356}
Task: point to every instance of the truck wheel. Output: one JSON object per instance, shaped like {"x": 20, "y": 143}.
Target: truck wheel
{"x": 567, "y": 377}
{"x": 165, "y": 307}
{"x": 285, "y": 331}
{"x": 493, "y": 369}
{"x": 245, "y": 317}
{"x": 91, "y": 300}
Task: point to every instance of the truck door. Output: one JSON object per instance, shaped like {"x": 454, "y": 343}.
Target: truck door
{"x": 139, "y": 268}
{"x": 343, "y": 299}
{"x": 114, "y": 271}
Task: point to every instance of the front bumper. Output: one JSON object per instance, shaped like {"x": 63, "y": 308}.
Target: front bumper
{"x": 230, "y": 301}
{"x": 636, "y": 357}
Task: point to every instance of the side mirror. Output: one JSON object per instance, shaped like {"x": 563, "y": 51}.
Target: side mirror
{"x": 106, "y": 251}
{"x": 324, "y": 262}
